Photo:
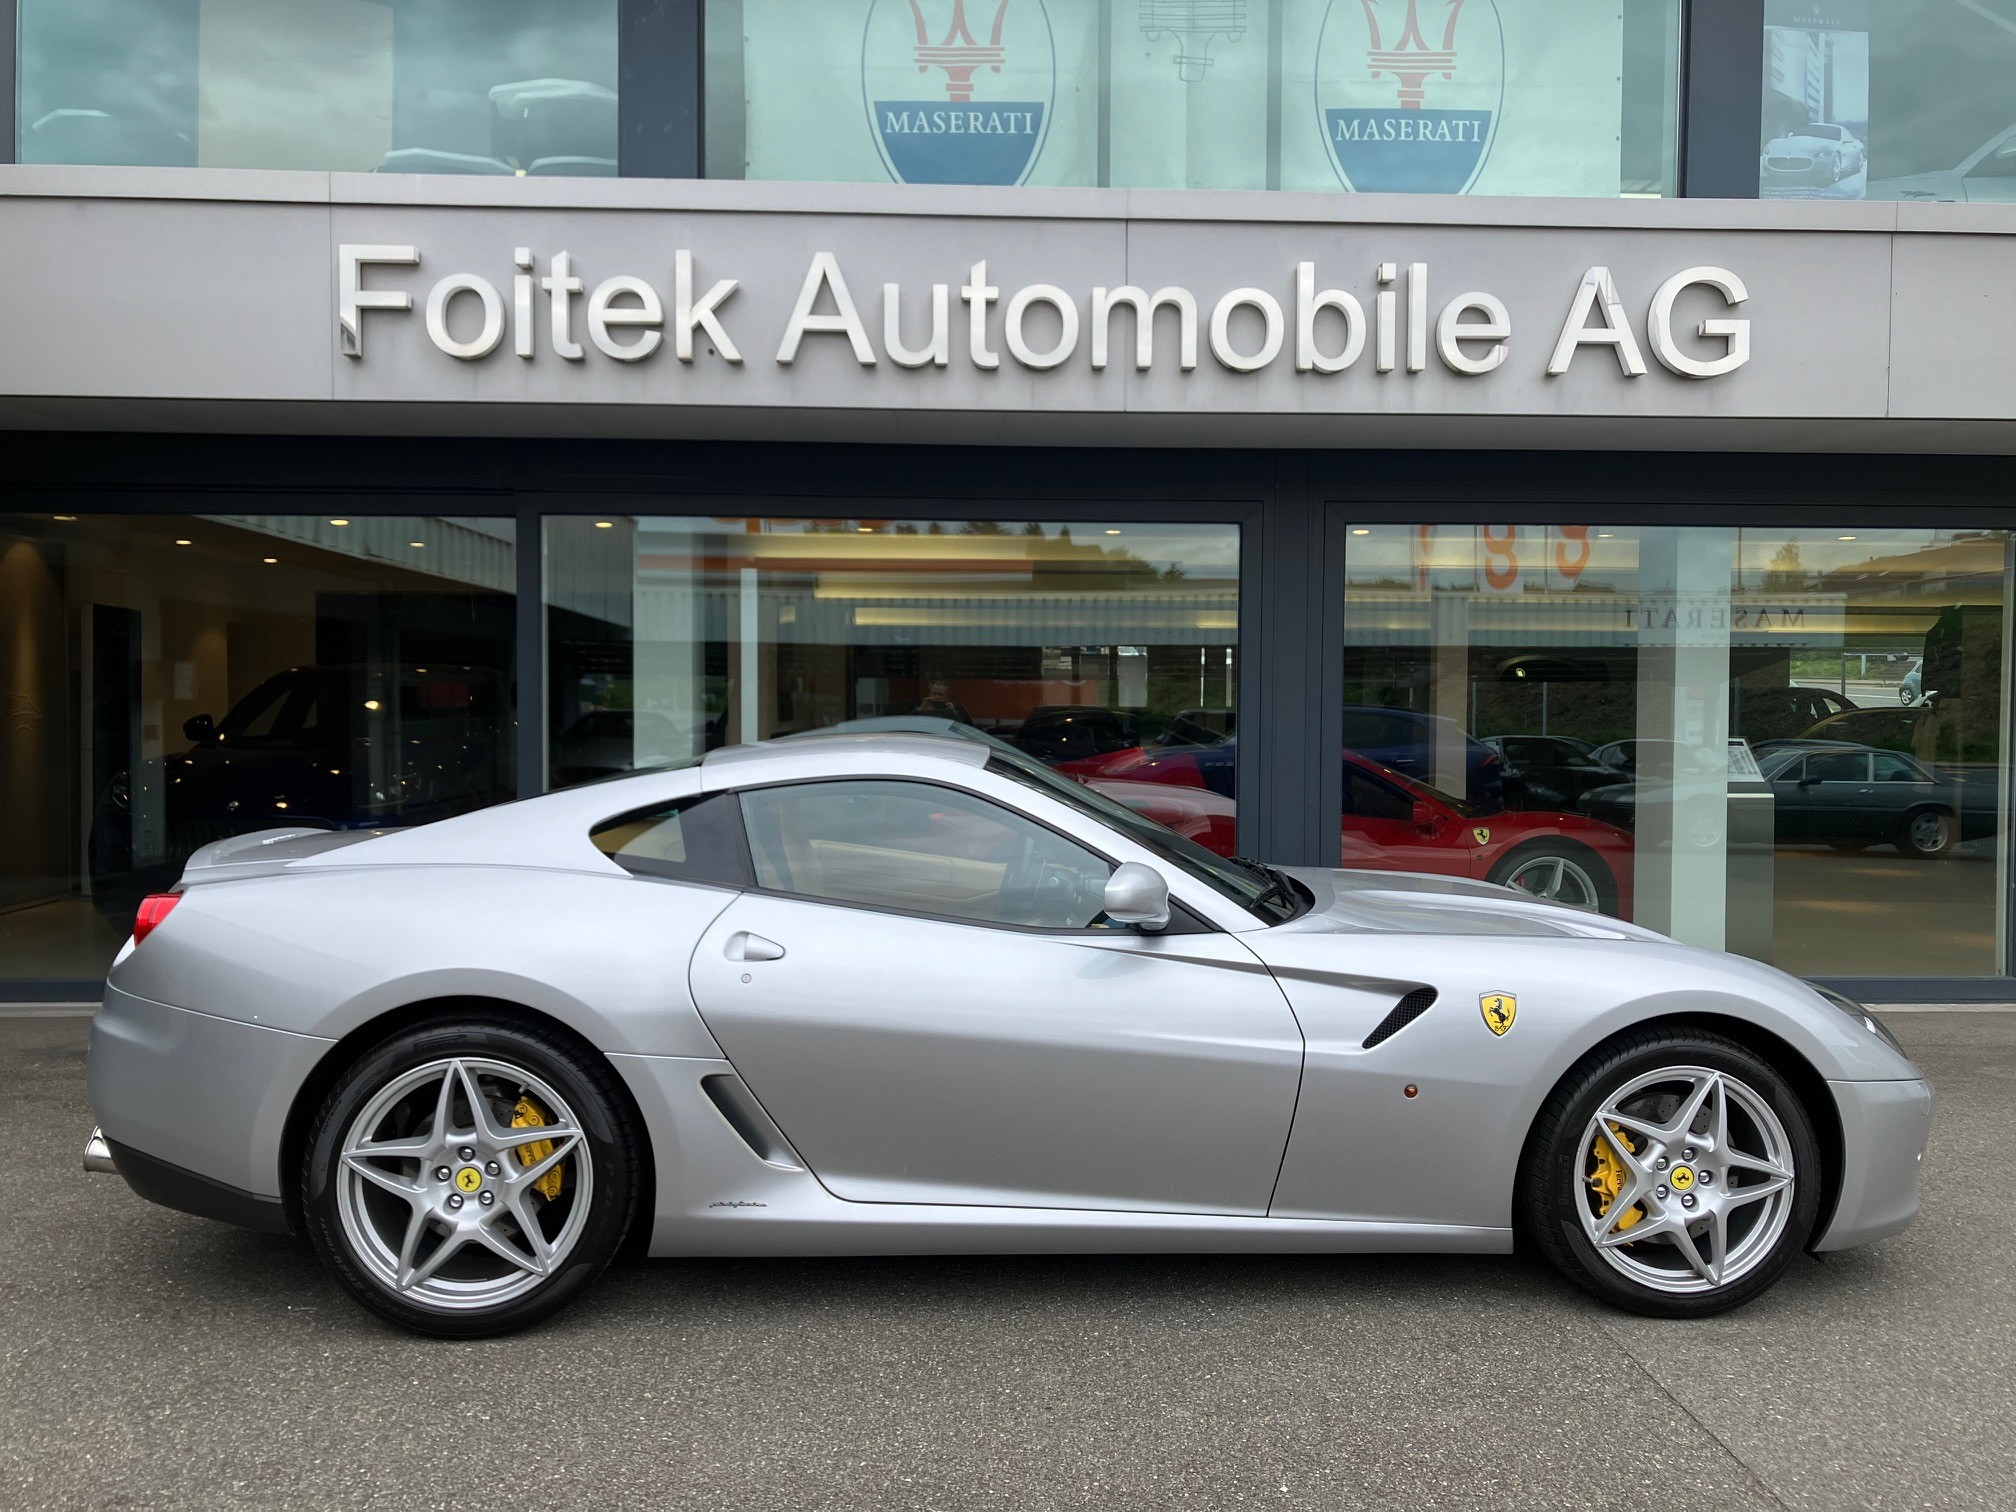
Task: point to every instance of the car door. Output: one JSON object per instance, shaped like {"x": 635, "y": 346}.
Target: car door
{"x": 1837, "y": 798}
{"x": 924, "y": 993}
{"x": 1380, "y": 831}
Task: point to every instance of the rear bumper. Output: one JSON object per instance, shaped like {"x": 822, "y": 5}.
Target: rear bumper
{"x": 1884, "y": 1125}
{"x": 193, "y": 1107}
{"x": 186, "y": 1192}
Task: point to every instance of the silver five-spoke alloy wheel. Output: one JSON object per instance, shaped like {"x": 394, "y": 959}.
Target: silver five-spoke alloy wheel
{"x": 1557, "y": 879}
{"x": 1688, "y": 1179}
{"x": 464, "y": 1183}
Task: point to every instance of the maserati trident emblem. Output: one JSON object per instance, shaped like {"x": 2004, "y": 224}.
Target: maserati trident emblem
{"x": 1409, "y": 92}
{"x": 996, "y": 61}
{"x": 1499, "y": 1008}
{"x": 1195, "y": 24}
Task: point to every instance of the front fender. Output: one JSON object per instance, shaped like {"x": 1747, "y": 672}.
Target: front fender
{"x": 1362, "y": 1147}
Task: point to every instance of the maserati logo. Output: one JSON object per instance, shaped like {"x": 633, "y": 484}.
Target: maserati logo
{"x": 1409, "y": 92}
{"x": 958, "y": 91}
{"x": 1499, "y": 1009}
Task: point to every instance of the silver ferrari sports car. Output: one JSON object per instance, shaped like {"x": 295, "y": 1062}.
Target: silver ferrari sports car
{"x": 901, "y": 994}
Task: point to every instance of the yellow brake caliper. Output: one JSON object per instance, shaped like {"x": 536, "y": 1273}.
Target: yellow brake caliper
{"x": 1608, "y": 1178}
{"x": 527, "y": 1115}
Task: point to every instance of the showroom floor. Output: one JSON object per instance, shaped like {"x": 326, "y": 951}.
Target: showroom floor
{"x": 153, "y": 1359}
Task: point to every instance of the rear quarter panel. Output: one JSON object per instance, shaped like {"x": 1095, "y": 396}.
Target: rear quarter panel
{"x": 323, "y": 952}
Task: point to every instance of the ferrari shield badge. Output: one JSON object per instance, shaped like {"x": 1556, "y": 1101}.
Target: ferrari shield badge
{"x": 1500, "y": 1008}
{"x": 1481, "y": 835}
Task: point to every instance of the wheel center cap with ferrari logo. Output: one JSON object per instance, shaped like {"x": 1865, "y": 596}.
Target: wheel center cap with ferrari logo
{"x": 1682, "y": 1178}
{"x": 468, "y": 1179}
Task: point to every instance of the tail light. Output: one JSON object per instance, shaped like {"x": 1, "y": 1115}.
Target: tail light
{"x": 153, "y": 909}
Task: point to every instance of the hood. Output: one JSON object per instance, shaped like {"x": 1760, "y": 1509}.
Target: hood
{"x": 1364, "y": 902}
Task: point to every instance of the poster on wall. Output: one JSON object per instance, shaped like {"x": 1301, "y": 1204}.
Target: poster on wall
{"x": 1816, "y": 100}
{"x": 922, "y": 91}
{"x": 1453, "y": 96}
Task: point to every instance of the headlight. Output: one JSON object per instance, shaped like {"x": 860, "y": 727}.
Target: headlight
{"x": 1865, "y": 1018}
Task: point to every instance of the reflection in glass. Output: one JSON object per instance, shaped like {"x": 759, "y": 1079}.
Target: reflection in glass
{"x": 1786, "y": 743}
{"x": 422, "y": 86}
{"x": 1417, "y": 96}
{"x": 1903, "y": 100}
{"x": 173, "y": 680}
{"x": 1106, "y": 651}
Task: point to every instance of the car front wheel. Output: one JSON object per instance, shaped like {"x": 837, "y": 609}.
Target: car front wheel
{"x": 1673, "y": 1173}
{"x": 469, "y": 1177}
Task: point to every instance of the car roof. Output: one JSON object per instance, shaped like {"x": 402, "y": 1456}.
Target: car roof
{"x": 855, "y": 743}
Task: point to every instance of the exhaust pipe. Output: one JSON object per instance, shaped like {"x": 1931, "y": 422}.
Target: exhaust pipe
{"x": 98, "y": 1154}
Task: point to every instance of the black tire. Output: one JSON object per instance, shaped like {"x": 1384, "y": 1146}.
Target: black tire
{"x": 1928, "y": 833}
{"x": 1551, "y": 1188}
{"x": 586, "y": 1083}
{"x": 1583, "y": 859}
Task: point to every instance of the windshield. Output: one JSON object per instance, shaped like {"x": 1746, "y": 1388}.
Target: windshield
{"x": 1258, "y": 891}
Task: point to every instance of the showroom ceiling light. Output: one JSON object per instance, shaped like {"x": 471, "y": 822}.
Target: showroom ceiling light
{"x": 339, "y": 522}
{"x": 605, "y": 524}
{"x": 179, "y": 541}
{"x": 271, "y": 561}
{"x": 417, "y": 545}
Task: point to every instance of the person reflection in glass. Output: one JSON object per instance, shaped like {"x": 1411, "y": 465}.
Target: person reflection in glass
{"x": 939, "y": 704}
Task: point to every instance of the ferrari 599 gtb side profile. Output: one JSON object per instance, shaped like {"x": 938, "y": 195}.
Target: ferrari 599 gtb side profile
{"x": 900, "y": 994}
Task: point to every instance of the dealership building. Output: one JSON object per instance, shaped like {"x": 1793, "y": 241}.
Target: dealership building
{"x": 1571, "y": 444}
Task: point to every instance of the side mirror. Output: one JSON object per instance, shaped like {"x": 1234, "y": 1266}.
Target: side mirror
{"x": 199, "y": 727}
{"x": 1424, "y": 814}
{"x": 1137, "y": 895}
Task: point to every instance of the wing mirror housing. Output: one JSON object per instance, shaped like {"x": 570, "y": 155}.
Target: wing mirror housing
{"x": 1137, "y": 895}
{"x": 199, "y": 727}
{"x": 1424, "y": 814}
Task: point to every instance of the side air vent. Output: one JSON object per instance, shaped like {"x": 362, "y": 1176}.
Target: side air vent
{"x": 746, "y": 1117}
{"x": 1408, "y": 1009}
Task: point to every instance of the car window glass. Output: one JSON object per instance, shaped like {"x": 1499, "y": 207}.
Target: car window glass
{"x": 1366, "y": 797}
{"x": 697, "y": 840}
{"x": 1891, "y": 768}
{"x": 1838, "y": 766}
{"x": 255, "y": 715}
{"x": 924, "y": 849}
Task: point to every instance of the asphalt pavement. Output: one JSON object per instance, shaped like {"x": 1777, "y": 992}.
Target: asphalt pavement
{"x": 149, "y": 1359}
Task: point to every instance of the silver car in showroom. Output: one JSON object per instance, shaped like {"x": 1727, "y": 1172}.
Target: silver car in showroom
{"x": 900, "y": 994}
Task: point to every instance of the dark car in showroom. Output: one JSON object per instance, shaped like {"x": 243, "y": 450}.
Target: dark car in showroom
{"x": 337, "y": 746}
{"x": 1548, "y": 771}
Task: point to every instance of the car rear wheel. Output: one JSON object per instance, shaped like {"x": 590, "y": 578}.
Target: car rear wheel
{"x": 1672, "y": 1173}
{"x": 469, "y": 1177}
{"x": 1559, "y": 874}
{"x": 1927, "y": 833}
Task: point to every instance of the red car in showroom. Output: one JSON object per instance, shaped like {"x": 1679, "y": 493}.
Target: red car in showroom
{"x": 1393, "y": 823}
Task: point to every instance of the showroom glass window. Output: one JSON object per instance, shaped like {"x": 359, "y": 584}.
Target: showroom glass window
{"x": 420, "y": 86}
{"x": 1889, "y": 100}
{"x": 1787, "y": 743}
{"x": 1575, "y": 97}
{"x": 170, "y": 680}
{"x": 1106, "y": 650}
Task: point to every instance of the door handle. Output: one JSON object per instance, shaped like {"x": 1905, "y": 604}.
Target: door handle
{"x": 744, "y": 946}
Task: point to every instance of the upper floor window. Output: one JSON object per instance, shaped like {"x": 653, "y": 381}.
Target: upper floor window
{"x": 421, "y": 86}
{"x": 1574, "y": 97}
{"x": 1906, "y": 100}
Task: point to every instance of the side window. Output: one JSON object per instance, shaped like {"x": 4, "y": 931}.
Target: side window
{"x": 923, "y": 849}
{"x": 698, "y": 840}
{"x": 1366, "y": 797}
{"x": 1838, "y": 766}
{"x": 1890, "y": 768}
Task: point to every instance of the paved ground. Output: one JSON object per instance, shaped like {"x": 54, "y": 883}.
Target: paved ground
{"x": 148, "y": 1359}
